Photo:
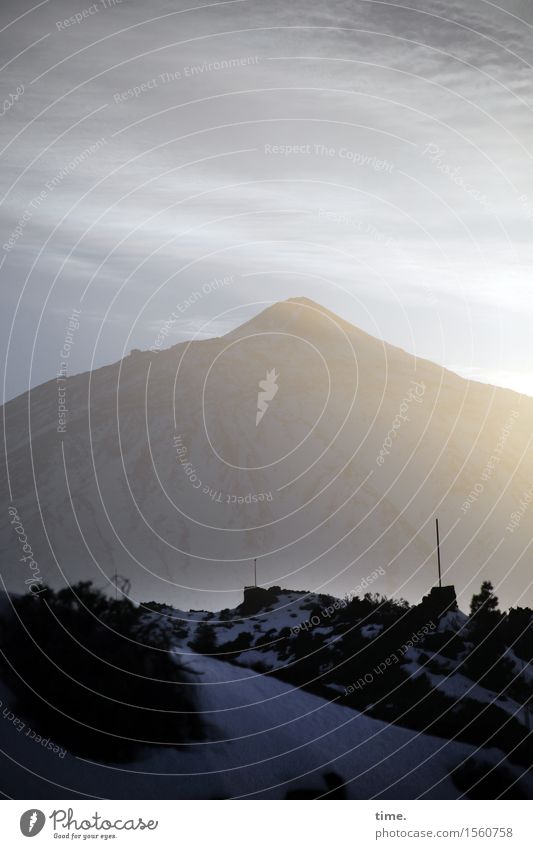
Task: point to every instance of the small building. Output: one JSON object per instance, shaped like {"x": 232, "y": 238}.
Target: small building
{"x": 440, "y": 601}
{"x": 257, "y": 598}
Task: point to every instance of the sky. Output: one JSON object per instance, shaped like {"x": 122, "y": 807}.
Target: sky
{"x": 185, "y": 164}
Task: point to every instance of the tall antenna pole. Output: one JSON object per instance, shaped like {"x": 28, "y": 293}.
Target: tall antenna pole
{"x": 255, "y": 571}
{"x": 438, "y": 550}
{"x": 116, "y": 585}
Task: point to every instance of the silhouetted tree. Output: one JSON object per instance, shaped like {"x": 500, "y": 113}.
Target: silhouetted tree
{"x": 485, "y": 601}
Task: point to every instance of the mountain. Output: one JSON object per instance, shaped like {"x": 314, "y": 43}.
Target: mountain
{"x": 164, "y": 475}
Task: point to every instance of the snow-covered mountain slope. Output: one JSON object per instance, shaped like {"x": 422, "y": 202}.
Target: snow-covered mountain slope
{"x": 265, "y": 740}
{"x": 451, "y": 674}
{"x": 294, "y": 694}
{"x": 163, "y": 475}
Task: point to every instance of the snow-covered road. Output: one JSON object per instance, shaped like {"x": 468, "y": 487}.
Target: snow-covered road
{"x": 264, "y": 739}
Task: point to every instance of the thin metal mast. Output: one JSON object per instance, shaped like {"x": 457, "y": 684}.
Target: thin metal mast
{"x": 438, "y": 550}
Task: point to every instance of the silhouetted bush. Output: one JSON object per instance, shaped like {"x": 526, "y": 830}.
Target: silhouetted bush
{"x": 81, "y": 673}
{"x": 478, "y": 780}
{"x": 204, "y": 641}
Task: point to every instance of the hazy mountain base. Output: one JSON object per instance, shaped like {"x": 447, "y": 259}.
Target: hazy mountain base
{"x": 359, "y": 444}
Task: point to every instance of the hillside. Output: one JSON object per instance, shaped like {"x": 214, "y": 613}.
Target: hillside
{"x": 293, "y": 695}
{"x": 162, "y": 475}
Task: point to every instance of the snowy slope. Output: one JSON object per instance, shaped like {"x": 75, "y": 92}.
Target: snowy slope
{"x": 264, "y": 739}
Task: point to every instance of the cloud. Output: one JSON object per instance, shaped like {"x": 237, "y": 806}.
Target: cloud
{"x": 183, "y": 189}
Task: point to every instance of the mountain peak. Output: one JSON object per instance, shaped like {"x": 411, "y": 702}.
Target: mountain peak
{"x": 292, "y": 312}
{"x": 305, "y": 302}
